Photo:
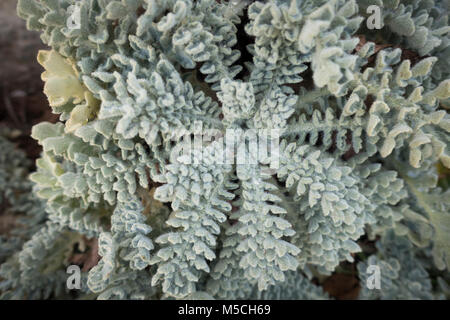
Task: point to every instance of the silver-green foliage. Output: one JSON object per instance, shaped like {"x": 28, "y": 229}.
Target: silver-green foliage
{"x": 296, "y": 287}
{"x": 402, "y": 275}
{"x": 147, "y": 72}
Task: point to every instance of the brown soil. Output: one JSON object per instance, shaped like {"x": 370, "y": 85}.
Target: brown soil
{"x": 22, "y": 103}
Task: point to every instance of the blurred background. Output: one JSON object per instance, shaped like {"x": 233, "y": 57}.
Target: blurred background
{"x": 22, "y": 102}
